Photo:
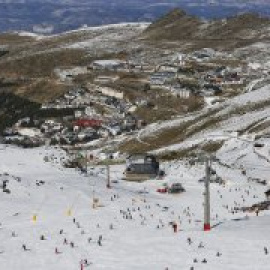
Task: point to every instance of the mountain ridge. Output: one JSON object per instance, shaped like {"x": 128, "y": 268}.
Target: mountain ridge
{"x": 232, "y": 32}
{"x": 61, "y": 16}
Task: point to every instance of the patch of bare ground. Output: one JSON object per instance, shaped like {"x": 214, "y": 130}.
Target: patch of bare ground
{"x": 11, "y": 39}
{"x": 201, "y": 123}
{"x": 164, "y": 137}
{"x": 260, "y": 127}
{"x": 43, "y": 64}
{"x": 165, "y": 107}
{"x": 178, "y": 154}
{"x": 189, "y": 152}
{"x": 42, "y": 90}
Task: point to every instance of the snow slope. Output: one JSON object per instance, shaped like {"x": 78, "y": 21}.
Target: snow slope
{"x": 146, "y": 241}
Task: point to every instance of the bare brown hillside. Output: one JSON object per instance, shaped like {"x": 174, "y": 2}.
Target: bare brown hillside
{"x": 226, "y": 34}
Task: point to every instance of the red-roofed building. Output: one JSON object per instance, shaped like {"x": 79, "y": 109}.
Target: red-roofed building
{"x": 88, "y": 123}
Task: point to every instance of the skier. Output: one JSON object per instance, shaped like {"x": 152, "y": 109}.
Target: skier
{"x": 201, "y": 245}
{"x": 218, "y": 254}
{"x": 99, "y": 240}
{"x": 257, "y": 211}
{"x": 174, "y": 227}
{"x": 24, "y": 247}
{"x": 265, "y": 251}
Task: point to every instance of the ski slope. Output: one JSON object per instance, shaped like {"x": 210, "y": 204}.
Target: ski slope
{"x": 132, "y": 218}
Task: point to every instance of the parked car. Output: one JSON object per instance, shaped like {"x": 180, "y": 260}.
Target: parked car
{"x": 176, "y": 188}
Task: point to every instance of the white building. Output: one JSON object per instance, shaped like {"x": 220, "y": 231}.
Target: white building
{"x": 181, "y": 92}
{"x": 113, "y": 65}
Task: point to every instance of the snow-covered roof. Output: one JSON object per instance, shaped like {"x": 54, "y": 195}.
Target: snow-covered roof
{"x": 113, "y": 62}
{"x": 30, "y": 132}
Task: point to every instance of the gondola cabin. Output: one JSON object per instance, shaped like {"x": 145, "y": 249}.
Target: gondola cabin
{"x": 141, "y": 167}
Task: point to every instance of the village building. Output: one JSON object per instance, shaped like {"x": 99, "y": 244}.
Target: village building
{"x": 167, "y": 68}
{"x": 140, "y": 167}
{"x": 87, "y": 122}
{"x": 106, "y": 91}
{"x": 179, "y": 59}
{"x": 67, "y": 73}
{"x": 160, "y": 78}
{"x": 110, "y": 65}
{"x": 106, "y": 79}
{"x": 181, "y": 92}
